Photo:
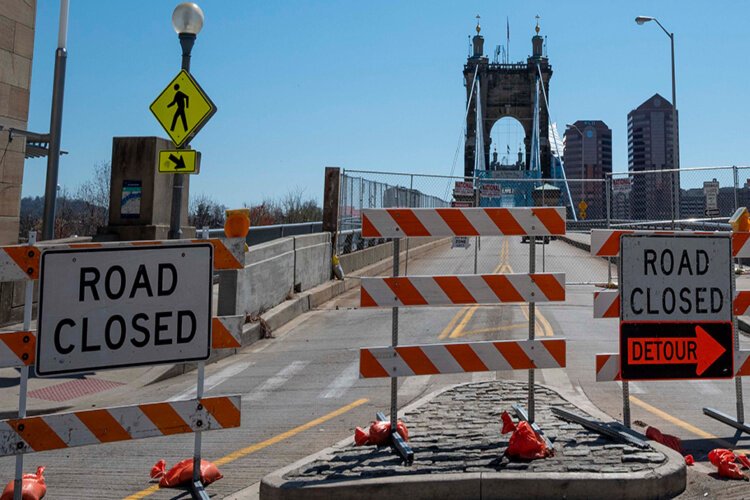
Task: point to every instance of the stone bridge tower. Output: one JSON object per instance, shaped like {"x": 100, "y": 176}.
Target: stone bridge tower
{"x": 507, "y": 90}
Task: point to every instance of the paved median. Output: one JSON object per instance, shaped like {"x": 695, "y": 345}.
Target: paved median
{"x": 459, "y": 453}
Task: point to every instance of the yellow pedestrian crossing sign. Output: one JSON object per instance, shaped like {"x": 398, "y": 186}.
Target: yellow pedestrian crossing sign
{"x": 182, "y": 108}
{"x": 179, "y": 161}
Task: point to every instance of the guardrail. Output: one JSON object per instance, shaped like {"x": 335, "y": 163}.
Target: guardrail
{"x": 263, "y": 234}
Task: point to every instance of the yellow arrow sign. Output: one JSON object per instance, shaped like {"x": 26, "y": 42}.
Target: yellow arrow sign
{"x": 182, "y": 108}
{"x": 179, "y": 161}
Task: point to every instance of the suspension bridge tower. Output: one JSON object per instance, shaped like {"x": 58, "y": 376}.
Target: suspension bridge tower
{"x": 507, "y": 89}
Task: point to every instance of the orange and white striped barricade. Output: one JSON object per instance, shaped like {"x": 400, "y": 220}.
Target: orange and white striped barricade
{"x": 21, "y": 262}
{"x": 17, "y": 349}
{"x": 226, "y": 331}
{"x": 410, "y": 291}
{"x": 462, "y": 289}
{"x": 124, "y": 423}
{"x": 464, "y": 357}
{"x": 606, "y": 242}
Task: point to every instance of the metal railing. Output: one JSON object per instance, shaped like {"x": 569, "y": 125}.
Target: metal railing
{"x": 263, "y": 234}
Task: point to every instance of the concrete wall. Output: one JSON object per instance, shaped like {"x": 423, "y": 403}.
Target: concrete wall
{"x": 273, "y": 271}
{"x": 16, "y": 51}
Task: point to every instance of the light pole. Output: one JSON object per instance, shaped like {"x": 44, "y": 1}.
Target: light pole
{"x": 55, "y": 126}
{"x": 583, "y": 154}
{"x": 640, "y": 20}
{"x": 187, "y": 21}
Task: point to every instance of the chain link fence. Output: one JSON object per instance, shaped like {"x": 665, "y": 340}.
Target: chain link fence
{"x": 706, "y": 198}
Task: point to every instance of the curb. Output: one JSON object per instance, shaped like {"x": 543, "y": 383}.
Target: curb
{"x": 666, "y": 481}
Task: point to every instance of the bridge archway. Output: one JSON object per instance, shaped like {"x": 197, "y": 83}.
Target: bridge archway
{"x": 507, "y": 90}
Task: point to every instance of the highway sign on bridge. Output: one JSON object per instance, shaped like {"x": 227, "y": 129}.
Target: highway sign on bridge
{"x": 676, "y": 307}
{"x": 123, "y": 306}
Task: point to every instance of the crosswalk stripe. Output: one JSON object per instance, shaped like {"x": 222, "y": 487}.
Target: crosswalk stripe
{"x": 633, "y": 388}
{"x": 214, "y": 380}
{"x": 705, "y": 387}
{"x": 279, "y": 379}
{"x": 347, "y": 378}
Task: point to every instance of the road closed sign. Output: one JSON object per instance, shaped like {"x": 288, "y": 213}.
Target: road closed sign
{"x": 676, "y": 307}
{"x": 126, "y": 306}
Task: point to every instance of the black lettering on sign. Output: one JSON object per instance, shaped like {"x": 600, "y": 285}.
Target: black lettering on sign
{"x": 58, "y": 330}
{"x": 108, "y": 329}
{"x": 700, "y": 299}
{"x": 717, "y": 300}
{"x": 141, "y": 329}
{"x": 685, "y": 298}
{"x": 632, "y": 301}
{"x": 649, "y": 258}
{"x": 191, "y": 317}
{"x": 108, "y": 282}
{"x": 173, "y": 280}
{"x": 159, "y": 327}
{"x": 89, "y": 282}
{"x": 667, "y": 262}
{"x": 141, "y": 281}
{"x": 701, "y": 266}
{"x": 85, "y": 346}
{"x": 685, "y": 264}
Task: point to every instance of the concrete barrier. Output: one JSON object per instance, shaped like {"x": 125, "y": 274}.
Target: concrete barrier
{"x": 273, "y": 272}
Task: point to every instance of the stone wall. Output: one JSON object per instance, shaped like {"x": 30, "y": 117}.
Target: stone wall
{"x": 16, "y": 51}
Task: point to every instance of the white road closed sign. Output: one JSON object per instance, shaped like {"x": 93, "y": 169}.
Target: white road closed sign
{"x": 676, "y": 278}
{"x": 125, "y": 306}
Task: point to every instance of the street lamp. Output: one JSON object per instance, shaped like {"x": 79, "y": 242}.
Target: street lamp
{"x": 187, "y": 21}
{"x": 583, "y": 153}
{"x": 640, "y": 20}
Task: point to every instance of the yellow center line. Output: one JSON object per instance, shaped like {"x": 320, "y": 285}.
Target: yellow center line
{"x": 679, "y": 423}
{"x": 494, "y": 329}
{"x": 264, "y": 444}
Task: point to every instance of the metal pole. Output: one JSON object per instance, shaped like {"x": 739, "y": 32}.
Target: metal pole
{"x": 55, "y": 126}
{"x": 406, "y": 259}
{"x": 675, "y": 136}
{"x": 625, "y": 404}
{"x": 736, "y": 187}
{"x": 394, "y": 340}
{"x": 476, "y": 238}
{"x": 187, "y": 40}
{"x": 608, "y": 188}
{"x": 737, "y": 380}
{"x": 28, "y": 306}
{"x": 197, "y": 489}
{"x": 532, "y": 325}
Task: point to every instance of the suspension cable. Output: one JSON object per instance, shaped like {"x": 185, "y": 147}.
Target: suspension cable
{"x": 463, "y": 127}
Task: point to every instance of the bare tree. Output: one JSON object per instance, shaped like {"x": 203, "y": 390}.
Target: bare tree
{"x": 205, "y": 211}
{"x": 94, "y": 193}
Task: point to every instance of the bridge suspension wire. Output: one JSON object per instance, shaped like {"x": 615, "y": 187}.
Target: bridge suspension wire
{"x": 463, "y": 129}
{"x": 559, "y": 156}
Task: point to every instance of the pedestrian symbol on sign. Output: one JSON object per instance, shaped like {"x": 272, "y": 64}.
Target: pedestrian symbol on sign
{"x": 182, "y": 108}
{"x": 182, "y": 101}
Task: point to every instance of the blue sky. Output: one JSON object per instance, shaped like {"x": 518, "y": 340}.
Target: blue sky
{"x": 305, "y": 84}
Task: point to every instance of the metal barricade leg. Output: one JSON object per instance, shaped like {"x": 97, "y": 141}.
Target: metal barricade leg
{"x": 532, "y": 325}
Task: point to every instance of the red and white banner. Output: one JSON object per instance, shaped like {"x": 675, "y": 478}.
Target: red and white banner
{"x": 21, "y": 262}
{"x": 462, "y": 289}
{"x": 434, "y": 359}
{"x": 400, "y": 222}
{"x": 607, "y": 367}
{"x": 607, "y": 303}
{"x": 82, "y": 428}
{"x": 17, "y": 349}
{"x": 741, "y": 363}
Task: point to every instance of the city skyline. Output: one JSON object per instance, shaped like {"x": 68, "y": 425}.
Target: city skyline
{"x": 295, "y": 95}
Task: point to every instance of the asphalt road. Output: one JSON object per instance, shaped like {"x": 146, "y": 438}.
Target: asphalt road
{"x": 301, "y": 390}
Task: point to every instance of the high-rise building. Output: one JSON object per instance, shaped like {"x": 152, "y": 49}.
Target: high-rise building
{"x": 588, "y": 158}
{"x": 651, "y": 147}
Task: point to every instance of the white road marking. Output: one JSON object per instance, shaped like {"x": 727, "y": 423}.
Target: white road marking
{"x": 343, "y": 382}
{"x": 633, "y": 388}
{"x": 705, "y": 387}
{"x": 214, "y": 380}
{"x": 276, "y": 381}
{"x": 414, "y": 385}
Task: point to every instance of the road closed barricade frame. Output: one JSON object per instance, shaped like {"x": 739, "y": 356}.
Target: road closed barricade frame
{"x": 131, "y": 267}
{"x": 413, "y": 291}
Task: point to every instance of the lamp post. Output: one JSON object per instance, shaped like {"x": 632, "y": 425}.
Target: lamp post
{"x": 583, "y": 154}
{"x": 55, "y": 126}
{"x": 187, "y": 21}
{"x": 640, "y": 20}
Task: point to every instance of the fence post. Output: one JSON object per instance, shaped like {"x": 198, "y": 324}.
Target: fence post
{"x": 736, "y": 187}
{"x": 406, "y": 260}
{"x": 331, "y": 198}
{"x": 608, "y": 199}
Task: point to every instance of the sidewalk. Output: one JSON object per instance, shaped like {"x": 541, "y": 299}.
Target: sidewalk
{"x": 458, "y": 450}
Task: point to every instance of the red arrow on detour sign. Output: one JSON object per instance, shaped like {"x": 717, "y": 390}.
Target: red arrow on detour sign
{"x": 701, "y": 350}
{"x": 680, "y": 350}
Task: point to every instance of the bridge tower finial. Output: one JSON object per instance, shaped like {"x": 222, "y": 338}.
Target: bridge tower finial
{"x": 478, "y": 28}
{"x": 537, "y": 24}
